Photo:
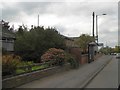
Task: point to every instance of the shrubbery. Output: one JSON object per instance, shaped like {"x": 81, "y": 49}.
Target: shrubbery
{"x": 9, "y": 64}
{"x": 54, "y": 56}
{"x": 59, "y": 57}
{"x": 25, "y": 63}
{"x": 73, "y": 62}
{"x": 30, "y": 45}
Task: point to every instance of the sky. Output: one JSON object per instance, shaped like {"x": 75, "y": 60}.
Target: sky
{"x": 70, "y": 18}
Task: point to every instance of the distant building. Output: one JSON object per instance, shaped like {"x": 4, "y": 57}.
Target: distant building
{"x": 6, "y": 37}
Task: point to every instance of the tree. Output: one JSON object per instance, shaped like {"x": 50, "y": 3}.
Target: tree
{"x": 107, "y": 50}
{"x": 30, "y": 45}
{"x": 5, "y": 25}
{"x": 117, "y": 49}
{"x": 83, "y": 41}
{"x": 20, "y": 30}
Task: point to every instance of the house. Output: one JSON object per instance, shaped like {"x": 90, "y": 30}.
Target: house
{"x": 7, "y": 38}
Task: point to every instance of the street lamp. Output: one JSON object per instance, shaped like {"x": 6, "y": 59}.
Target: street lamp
{"x": 97, "y": 26}
{"x": 93, "y": 46}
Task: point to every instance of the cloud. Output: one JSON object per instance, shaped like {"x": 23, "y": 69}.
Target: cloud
{"x": 70, "y": 18}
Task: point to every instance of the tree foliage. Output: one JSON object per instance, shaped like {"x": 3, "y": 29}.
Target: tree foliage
{"x": 6, "y": 27}
{"x": 33, "y": 43}
{"x": 109, "y": 50}
{"x": 117, "y": 49}
{"x": 83, "y": 41}
{"x": 106, "y": 50}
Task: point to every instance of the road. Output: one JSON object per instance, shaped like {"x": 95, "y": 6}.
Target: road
{"x": 107, "y": 78}
{"x": 70, "y": 79}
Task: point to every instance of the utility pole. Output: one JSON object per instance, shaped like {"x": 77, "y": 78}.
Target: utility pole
{"x": 93, "y": 23}
{"x": 38, "y": 19}
{"x": 96, "y": 29}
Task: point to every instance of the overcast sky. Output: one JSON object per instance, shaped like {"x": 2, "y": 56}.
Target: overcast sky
{"x": 70, "y": 18}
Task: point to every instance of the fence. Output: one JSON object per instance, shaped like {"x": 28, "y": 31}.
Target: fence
{"x": 30, "y": 68}
{"x": 18, "y": 80}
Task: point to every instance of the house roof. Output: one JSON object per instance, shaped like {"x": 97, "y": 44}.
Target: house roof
{"x": 93, "y": 43}
{"x": 70, "y": 38}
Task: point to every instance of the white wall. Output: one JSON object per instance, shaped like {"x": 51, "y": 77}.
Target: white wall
{"x": 9, "y": 46}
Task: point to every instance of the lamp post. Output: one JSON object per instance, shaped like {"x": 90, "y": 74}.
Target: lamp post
{"x": 97, "y": 26}
{"x": 93, "y": 46}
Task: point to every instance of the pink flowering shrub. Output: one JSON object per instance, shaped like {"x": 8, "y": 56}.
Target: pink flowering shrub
{"x": 55, "y": 56}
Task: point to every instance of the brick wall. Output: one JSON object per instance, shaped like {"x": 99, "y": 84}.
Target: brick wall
{"x": 76, "y": 52}
{"x": 84, "y": 59}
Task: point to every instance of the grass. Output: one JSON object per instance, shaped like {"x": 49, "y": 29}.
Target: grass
{"x": 37, "y": 67}
{"x": 19, "y": 71}
{"x": 34, "y": 68}
{"x": 40, "y": 67}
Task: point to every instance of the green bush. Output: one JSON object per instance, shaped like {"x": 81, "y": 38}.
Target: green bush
{"x": 25, "y": 63}
{"x": 9, "y": 64}
{"x": 73, "y": 62}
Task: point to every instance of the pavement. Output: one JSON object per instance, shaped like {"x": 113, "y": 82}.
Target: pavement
{"x": 75, "y": 78}
{"x": 107, "y": 78}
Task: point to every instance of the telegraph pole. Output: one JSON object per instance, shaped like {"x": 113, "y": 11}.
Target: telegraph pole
{"x": 38, "y": 19}
{"x": 93, "y": 23}
{"x": 96, "y": 29}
